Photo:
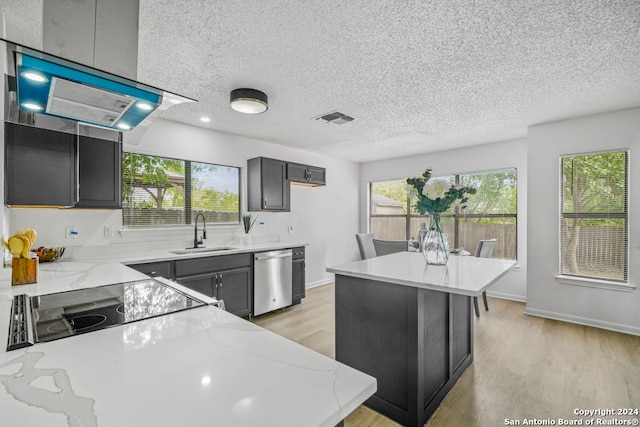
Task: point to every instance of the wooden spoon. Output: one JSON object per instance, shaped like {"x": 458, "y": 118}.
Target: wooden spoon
{"x": 15, "y": 246}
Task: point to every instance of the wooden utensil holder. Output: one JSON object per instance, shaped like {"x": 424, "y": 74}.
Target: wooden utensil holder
{"x": 24, "y": 271}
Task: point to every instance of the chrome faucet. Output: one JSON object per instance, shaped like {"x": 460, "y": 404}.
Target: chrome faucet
{"x": 197, "y": 242}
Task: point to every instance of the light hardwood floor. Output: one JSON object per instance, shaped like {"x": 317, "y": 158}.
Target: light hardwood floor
{"x": 524, "y": 366}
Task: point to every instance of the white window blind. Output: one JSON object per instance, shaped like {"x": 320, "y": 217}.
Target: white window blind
{"x": 594, "y": 216}
{"x": 163, "y": 191}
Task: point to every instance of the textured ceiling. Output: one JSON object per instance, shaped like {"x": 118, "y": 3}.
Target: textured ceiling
{"x": 418, "y": 76}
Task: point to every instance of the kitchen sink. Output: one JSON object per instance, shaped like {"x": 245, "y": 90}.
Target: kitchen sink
{"x": 201, "y": 250}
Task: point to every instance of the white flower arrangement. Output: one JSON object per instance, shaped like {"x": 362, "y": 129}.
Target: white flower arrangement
{"x": 437, "y": 195}
{"x": 436, "y": 188}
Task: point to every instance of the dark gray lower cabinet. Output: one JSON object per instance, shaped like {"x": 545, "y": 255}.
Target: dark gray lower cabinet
{"x": 234, "y": 288}
{"x": 155, "y": 269}
{"x": 298, "y": 275}
{"x": 225, "y": 277}
{"x": 228, "y": 278}
{"x": 206, "y": 284}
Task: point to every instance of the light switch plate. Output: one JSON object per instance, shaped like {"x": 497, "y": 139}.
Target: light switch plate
{"x": 108, "y": 231}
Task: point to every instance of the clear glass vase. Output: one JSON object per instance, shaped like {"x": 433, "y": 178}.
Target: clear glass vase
{"x": 435, "y": 246}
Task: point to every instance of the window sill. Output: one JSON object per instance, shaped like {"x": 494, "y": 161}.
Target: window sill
{"x": 595, "y": 283}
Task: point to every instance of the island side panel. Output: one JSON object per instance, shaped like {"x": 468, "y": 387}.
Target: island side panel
{"x": 415, "y": 342}
{"x": 462, "y": 336}
{"x": 436, "y": 345}
{"x": 371, "y": 325}
{"x": 459, "y": 349}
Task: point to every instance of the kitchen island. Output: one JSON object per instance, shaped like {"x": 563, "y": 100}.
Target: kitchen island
{"x": 197, "y": 367}
{"x": 410, "y": 326}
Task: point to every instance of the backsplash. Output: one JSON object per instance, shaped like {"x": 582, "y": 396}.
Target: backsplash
{"x": 93, "y": 228}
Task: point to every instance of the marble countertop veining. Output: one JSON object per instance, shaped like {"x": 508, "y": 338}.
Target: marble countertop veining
{"x": 462, "y": 275}
{"x": 198, "y": 367}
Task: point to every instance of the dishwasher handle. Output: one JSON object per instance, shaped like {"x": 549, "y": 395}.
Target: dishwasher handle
{"x": 272, "y": 255}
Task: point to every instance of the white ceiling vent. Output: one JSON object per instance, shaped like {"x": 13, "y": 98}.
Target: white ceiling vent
{"x": 335, "y": 117}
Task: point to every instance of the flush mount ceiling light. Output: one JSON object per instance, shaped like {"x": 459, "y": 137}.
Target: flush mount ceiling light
{"x": 249, "y": 101}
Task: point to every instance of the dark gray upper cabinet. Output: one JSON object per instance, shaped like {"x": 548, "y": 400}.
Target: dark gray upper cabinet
{"x": 40, "y": 167}
{"x": 268, "y": 182}
{"x": 306, "y": 175}
{"x": 267, "y": 185}
{"x": 48, "y": 168}
{"x": 100, "y": 168}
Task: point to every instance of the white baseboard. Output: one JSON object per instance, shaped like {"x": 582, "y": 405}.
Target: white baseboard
{"x": 503, "y": 295}
{"x": 626, "y": 329}
{"x": 319, "y": 283}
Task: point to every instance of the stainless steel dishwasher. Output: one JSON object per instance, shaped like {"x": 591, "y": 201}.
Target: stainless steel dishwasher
{"x": 271, "y": 280}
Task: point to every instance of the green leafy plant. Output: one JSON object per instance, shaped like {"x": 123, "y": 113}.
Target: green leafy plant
{"x": 437, "y": 195}
{"x": 248, "y": 220}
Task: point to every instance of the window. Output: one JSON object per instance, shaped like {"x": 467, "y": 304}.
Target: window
{"x": 593, "y": 217}
{"x": 490, "y": 213}
{"x": 163, "y": 191}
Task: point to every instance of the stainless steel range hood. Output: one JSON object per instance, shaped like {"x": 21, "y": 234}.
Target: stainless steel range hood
{"x": 50, "y": 92}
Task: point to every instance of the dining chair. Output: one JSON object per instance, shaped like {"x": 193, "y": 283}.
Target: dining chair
{"x": 484, "y": 250}
{"x": 365, "y": 244}
{"x": 386, "y": 247}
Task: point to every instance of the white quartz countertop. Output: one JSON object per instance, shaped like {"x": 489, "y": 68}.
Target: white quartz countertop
{"x": 156, "y": 255}
{"x": 198, "y": 367}
{"x": 464, "y": 275}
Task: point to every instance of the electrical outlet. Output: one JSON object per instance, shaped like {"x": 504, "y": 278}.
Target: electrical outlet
{"x": 70, "y": 232}
{"x": 290, "y": 229}
{"x": 108, "y": 231}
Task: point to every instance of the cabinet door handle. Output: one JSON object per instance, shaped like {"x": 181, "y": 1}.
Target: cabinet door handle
{"x": 77, "y": 165}
{"x": 264, "y": 203}
{"x": 152, "y": 272}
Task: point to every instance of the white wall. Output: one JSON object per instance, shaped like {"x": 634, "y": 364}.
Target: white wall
{"x": 546, "y": 297}
{"x": 500, "y": 155}
{"x": 324, "y": 217}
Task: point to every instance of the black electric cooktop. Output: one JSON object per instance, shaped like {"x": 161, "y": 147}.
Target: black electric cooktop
{"x": 49, "y": 317}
